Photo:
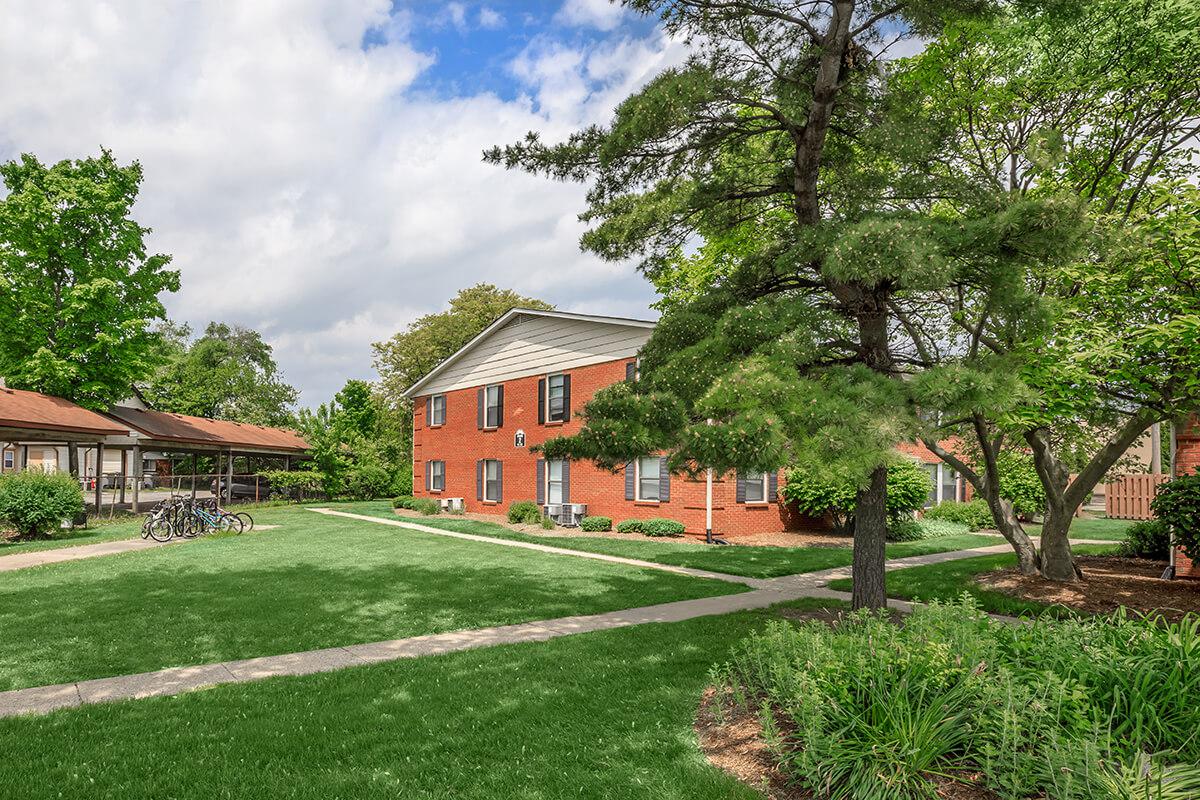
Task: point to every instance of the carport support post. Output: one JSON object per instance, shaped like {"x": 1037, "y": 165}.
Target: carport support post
{"x": 194, "y": 457}
{"x": 137, "y": 473}
{"x": 124, "y": 472}
{"x": 99, "y": 470}
{"x": 229, "y": 481}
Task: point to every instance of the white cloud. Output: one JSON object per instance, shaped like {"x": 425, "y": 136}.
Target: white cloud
{"x": 301, "y": 185}
{"x": 601, "y": 14}
{"x": 490, "y": 19}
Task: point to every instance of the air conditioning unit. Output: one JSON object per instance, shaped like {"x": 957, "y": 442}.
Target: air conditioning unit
{"x": 454, "y": 504}
{"x": 567, "y": 515}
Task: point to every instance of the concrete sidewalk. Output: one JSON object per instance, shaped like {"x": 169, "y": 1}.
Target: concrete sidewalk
{"x": 177, "y": 680}
{"x": 36, "y": 558}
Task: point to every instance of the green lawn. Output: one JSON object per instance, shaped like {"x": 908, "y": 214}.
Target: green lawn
{"x": 93, "y": 534}
{"x": 754, "y": 562}
{"x": 599, "y": 715}
{"x": 317, "y": 581}
{"x": 1112, "y": 530}
{"x": 950, "y": 580}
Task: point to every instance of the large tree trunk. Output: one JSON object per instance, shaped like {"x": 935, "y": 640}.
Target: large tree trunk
{"x": 73, "y": 459}
{"x": 870, "y": 542}
{"x": 1010, "y": 527}
{"x": 1058, "y": 563}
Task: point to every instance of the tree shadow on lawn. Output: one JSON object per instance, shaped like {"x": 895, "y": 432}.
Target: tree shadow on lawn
{"x": 149, "y": 619}
{"x": 605, "y": 714}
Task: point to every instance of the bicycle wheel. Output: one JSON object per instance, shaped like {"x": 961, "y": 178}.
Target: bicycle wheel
{"x": 247, "y": 520}
{"x": 229, "y": 522}
{"x": 160, "y": 529}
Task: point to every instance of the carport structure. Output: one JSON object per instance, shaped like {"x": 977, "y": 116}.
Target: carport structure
{"x": 31, "y": 418}
{"x": 180, "y": 434}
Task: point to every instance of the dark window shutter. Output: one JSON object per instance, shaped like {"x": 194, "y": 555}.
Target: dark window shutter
{"x": 773, "y": 487}
{"x": 741, "y": 488}
{"x": 542, "y": 401}
{"x": 664, "y": 481}
{"x": 541, "y": 481}
{"x": 428, "y": 476}
{"x": 499, "y": 481}
{"x": 429, "y": 410}
{"x": 631, "y": 371}
{"x": 479, "y": 479}
{"x": 500, "y": 406}
{"x": 566, "y": 481}
{"x": 566, "y": 398}
{"x": 630, "y": 478}
{"x": 482, "y": 402}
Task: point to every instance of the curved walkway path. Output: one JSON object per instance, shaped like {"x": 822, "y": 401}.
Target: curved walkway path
{"x": 176, "y": 680}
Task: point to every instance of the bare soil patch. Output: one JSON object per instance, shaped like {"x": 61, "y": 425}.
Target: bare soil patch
{"x": 1109, "y": 583}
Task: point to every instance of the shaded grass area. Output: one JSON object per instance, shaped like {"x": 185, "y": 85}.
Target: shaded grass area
{"x": 753, "y": 562}
{"x": 952, "y": 579}
{"x": 317, "y": 581}
{"x": 599, "y": 715}
{"x": 1112, "y": 530}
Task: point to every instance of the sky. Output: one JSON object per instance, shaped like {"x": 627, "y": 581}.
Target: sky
{"x": 313, "y": 166}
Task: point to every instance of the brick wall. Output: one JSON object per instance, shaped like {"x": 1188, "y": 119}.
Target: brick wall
{"x": 460, "y": 444}
{"x": 1187, "y": 461}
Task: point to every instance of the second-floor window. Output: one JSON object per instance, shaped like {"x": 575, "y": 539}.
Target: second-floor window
{"x": 556, "y": 398}
{"x": 437, "y": 409}
{"x": 493, "y": 406}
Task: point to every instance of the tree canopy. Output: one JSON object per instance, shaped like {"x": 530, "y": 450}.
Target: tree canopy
{"x": 227, "y": 373}
{"x": 79, "y": 293}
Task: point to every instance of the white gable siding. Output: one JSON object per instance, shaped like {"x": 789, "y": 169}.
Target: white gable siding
{"x": 536, "y": 345}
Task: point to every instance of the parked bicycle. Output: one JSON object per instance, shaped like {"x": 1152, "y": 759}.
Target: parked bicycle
{"x": 182, "y": 517}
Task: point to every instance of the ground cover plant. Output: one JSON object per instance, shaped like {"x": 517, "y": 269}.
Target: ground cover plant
{"x": 750, "y": 561}
{"x": 316, "y": 581}
{"x": 611, "y": 714}
{"x": 1070, "y": 709}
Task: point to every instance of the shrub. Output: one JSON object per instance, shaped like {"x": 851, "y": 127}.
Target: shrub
{"x": 1178, "y": 506}
{"x": 904, "y": 529}
{"x": 35, "y": 502}
{"x": 524, "y": 512}
{"x": 547, "y": 524}
{"x": 596, "y": 524}
{"x": 658, "y": 526}
{"x": 630, "y": 526}
{"x": 295, "y": 484}
{"x": 425, "y": 505}
{"x": 368, "y": 481}
{"x": 1019, "y": 483}
{"x": 975, "y": 515}
{"x": 1149, "y": 538}
{"x": 1057, "y": 708}
{"x": 815, "y": 493}
{"x": 403, "y": 501}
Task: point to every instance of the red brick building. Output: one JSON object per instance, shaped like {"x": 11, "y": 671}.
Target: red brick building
{"x": 522, "y": 381}
{"x": 1187, "y": 461}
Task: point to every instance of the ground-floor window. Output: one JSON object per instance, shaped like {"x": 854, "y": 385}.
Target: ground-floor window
{"x": 554, "y": 482}
{"x": 492, "y": 480}
{"x": 648, "y": 478}
{"x": 10, "y": 459}
{"x": 943, "y": 484}
{"x": 437, "y": 476}
{"x": 756, "y": 487}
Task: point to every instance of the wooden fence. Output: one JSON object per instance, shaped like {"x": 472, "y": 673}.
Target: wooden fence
{"x": 1130, "y": 495}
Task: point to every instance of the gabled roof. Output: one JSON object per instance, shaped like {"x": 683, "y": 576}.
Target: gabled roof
{"x": 507, "y": 317}
{"x": 43, "y": 412}
{"x": 184, "y": 429}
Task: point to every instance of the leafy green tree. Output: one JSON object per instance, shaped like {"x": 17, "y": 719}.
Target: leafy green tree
{"x": 228, "y": 373}
{"x": 78, "y": 291}
{"x": 403, "y": 359}
{"x": 805, "y": 163}
{"x": 1097, "y": 101}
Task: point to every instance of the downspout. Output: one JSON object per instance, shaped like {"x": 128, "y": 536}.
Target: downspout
{"x": 1169, "y": 573}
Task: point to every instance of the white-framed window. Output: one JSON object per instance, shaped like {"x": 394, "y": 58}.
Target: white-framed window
{"x": 944, "y": 483}
{"x": 491, "y": 481}
{"x": 554, "y": 482}
{"x": 437, "y": 409}
{"x": 756, "y": 487}
{"x": 649, "y": 474}
{"x": 932, "y": 471}
{"x": 10, "y": 459}
{"x": 437, "y": 476}
{"x": 556, "y": 398}
{"x": 491, "y": 406}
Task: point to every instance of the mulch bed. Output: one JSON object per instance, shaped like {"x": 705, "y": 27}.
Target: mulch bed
{"x": 1108, "y": 584}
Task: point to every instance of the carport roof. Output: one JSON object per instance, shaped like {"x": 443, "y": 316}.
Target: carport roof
{"x": 183, "y": 429}
{"x": 34, "y": 411}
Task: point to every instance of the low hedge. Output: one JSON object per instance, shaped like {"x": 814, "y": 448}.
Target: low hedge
{"x": 425, "y": 505}
{"x": 1149, "y": 538}
{"x": 596, "y": 524}
{"x": 655, "y": 526}
{"x": 524, "y": 512}
{"x": 975, "y": 515}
